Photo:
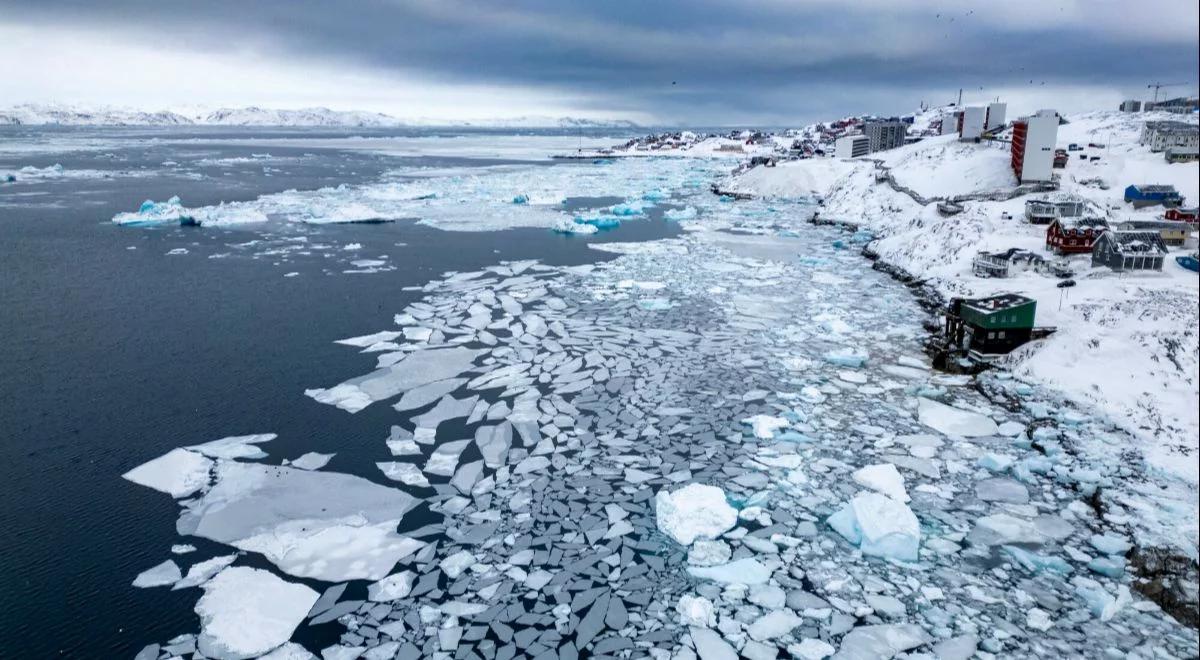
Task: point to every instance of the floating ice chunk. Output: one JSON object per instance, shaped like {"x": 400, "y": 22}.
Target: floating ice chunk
{"x": 238, "y": 446}
{"x": 392, "y": 587}
{"x": 696, "y": 611}
{"x": 370, "y": 340}
{"x": 289, "y": 651}
{"x": 1000, "y": 489}
{"x": 324, "y": 525}
{"x": 710, "y": 646}
{"x": 1036, "y": 563}
{"x": 568, "y": 226}
{"x": 1101, "y": 604}
{"x": 1011, "y": 429}
{"x": 419, "y": 397}
{"x": 848, "y": 357}
{"x": 883, "y": 478}
{"x": 1113, "y": 567}
{"x": 811, "y": 648}
{"x": 1110, "y": 544}
{"x": 743, "y": 571}
{"x": 531, "y": 464}
{"x": 1038, "y": 619}
{"x": 773, "y": 624}
{"x": 246, "y": 612}
{"x": 708, "y": 553}
{"x": 687, "y": 213}
{"x": 151, "y": 212}
{"x": 201, "y": 572}
{"x": 405, "y": 473}
{"x": 312, "y": 461}
{"x": 954, "y": 421}
{"x": 417, "y": 369}
{"x": 178, "y": 473}
{"x": 765, "y": 426}
{"x": 694, "y": 511}
{"x": 879, "y": 526}
{"x": 1001, "y": 529}
{"x": 454, "y": 565}
{"x": 182, "y": 548}
{"x": 655, "y": 304}
{"x": 158, "y": 576}
{"x": 881, "y": 642}
{"x": 444, "y": 459}
{"x": 995, "y": 462}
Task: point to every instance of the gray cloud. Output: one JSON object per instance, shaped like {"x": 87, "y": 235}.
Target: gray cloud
{"x": 697, "y": 61}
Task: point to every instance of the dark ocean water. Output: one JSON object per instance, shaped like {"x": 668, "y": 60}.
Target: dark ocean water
{"x": 113, "y": 356}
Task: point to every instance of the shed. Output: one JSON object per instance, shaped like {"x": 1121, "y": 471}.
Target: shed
{"x": 1074, "y": 235}
{"x": 1007, "y": 263}
{"x": 1129, "y": 250}
{"x": 993, "y": 325}
{"x": 1141, "y": 195}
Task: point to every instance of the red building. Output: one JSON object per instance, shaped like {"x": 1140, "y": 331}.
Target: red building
{"x": 1181, "y": 214}
{"x": 1074, "y": 235}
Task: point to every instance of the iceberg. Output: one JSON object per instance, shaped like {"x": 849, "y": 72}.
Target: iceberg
{"x": 694, "y": 511}
{"x": 687, "y": 213}
{"x": 151, "y": 212}
{"x": 247, "y": 612}
{"x": 879, "y": 526}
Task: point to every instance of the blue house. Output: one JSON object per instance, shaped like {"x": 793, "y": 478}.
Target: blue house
{"x": 1151, "y": 195}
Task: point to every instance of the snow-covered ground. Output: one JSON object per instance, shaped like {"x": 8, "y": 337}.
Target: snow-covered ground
{"x": 1126, "y": 344}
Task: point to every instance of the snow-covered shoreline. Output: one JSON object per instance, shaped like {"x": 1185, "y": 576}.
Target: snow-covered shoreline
{"x": 1126, "y": 344}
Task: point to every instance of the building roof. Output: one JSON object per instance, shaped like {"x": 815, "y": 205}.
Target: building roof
{"x": 1154, "y": 188}
{"x": 1013, "y": 254}
{"x": 1136, "y": 242}
{"x": 1170, "y": 126}
{"x": 1081, "y": 223}
{"x": 1150, "y": 224}
{"x": 1000, "y": 303}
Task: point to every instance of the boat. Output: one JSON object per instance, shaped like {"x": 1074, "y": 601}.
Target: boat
{"x": 1189, "y": 261}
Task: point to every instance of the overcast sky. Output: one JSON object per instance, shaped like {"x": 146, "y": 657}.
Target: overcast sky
{"x": 697, "y": 62}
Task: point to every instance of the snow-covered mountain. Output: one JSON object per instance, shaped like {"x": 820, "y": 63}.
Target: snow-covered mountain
{"x": 70, "y": 115}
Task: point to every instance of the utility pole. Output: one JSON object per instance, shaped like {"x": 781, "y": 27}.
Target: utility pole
{"x": 959, "y": 98}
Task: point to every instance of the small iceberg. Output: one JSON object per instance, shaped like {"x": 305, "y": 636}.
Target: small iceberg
{"x": 151, "y": 212}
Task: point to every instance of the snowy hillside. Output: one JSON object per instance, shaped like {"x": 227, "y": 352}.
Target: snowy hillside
{"x": 70, "y": 115}
{"x": 1126, "y": 344}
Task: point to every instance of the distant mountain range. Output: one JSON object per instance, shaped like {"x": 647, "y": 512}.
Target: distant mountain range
{"x": 34, "y": 114}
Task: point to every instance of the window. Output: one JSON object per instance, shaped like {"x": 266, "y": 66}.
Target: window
{"x": 991, "y": 335}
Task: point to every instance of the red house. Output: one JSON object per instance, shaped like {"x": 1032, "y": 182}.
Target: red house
{"x": 1074, "y": 235}
{"x": 1181, "y": 214}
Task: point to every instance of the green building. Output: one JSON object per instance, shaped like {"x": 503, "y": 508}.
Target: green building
{"x": 990, "y": 326}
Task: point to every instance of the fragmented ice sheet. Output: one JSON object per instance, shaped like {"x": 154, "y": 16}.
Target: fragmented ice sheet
{"x": 178, "y": 473}
{"x": 246, "y": 612}
{"x": 323, "y": 525}
{"x": 415, "y": 370}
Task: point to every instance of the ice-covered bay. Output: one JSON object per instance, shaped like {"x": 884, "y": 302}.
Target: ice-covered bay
{"x": 540, "y": 412}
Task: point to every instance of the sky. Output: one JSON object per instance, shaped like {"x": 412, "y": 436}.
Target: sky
{"x": 665, "y": 62}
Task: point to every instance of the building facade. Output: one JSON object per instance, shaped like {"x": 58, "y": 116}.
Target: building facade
{"x": 1033, "y": 146}
{"x": 1074, "y": 235}
{"x": 1171, "y": 233}
{"x": 991, "y": 326}
{"x": 1163, "y": 135}
{"x": 1143, "y": 195}
{"x": 971, "y": 123}
{"x": 1129, "y": 251}
{"x": 884, "y": 135}
{"x": 994, "y": 118}
{"x": 1131, "y": 106}
{"x": 852, "y": 146}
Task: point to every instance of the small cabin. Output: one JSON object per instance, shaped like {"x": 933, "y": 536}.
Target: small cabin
{"x": 1182, "y": 215}
{"x": 1129, "y": 251}
{"x": 1171, "y": 233}
{"x": 1074, "y": 235}
{"x": 990, "y": 326}
{"x": 1142, "y": 195}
